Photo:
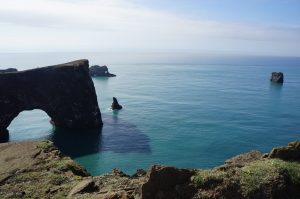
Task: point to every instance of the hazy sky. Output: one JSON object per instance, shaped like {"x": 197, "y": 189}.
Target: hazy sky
{"x": 268, "y": 27}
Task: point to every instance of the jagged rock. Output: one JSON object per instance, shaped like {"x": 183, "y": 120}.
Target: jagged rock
{"x": 164, "y": 182}
{"x": 115, "y": 105}
{"x": 84, "y": 186}
{"x": 100, "y": 71}
{"x": 277, "y": 77}
{"x": 119, "y": 173}
{"x": 290, "y": 152}
{"x": 65, "y": 92}
{"x": 9, "y": 70}
{"x": 139, "y": 173}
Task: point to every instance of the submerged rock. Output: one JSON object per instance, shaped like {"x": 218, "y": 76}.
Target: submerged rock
{"x": 277, "y": 77}
{"x": 65, "y": 92}
{"x": 9, "y": 70}
{"x": 100, "y": 71}
{"x": 115, "y": 105}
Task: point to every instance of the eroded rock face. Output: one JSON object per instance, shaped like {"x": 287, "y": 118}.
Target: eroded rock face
{"x": 290, "y": 152}
{"x": 277, "y": 77}
{"x": 65, "y": 92}
{"x": 100, "y": 71}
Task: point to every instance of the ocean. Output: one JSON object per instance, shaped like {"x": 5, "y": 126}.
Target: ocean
{"x": 188, "y": 110}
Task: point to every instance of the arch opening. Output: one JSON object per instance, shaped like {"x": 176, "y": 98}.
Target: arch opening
{"x": 30, "y": 125}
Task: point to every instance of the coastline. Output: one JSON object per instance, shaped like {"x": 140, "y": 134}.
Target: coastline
{"x": 37, "y": 169}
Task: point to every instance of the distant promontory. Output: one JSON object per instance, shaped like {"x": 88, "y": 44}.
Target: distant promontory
{"x": 100, "y": 71}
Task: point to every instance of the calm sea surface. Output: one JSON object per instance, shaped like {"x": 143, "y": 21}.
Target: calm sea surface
{"x": 184, "y": 110}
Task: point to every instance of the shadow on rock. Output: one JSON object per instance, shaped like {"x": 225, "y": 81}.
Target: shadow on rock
{"x": 116, "y": 136}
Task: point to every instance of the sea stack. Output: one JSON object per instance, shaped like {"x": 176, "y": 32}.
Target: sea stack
{"x": 100, "y": 71}
{"x": 115, "y": 105}
{"x": 65, "y": 92}
{"x": 277, "y": 77}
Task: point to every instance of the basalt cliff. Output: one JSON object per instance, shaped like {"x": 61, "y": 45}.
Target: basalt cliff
{"x": 65, "y": 92}
{"x": 40, "y": 170}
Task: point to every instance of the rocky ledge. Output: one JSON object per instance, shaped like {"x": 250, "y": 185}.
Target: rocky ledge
{"x": 39, "y": 170}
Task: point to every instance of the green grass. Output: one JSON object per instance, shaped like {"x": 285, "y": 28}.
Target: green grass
{"x": 251, "y": 178}
{"x": 45, "y": 145}
{"x": 293, "y": 169}
{"x": 206, "y": 177}
{"x": 256, "y": 174}
{"x": 259, "y": 173}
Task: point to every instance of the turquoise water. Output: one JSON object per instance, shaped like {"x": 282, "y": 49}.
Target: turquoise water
{"x": 193, "y": 113}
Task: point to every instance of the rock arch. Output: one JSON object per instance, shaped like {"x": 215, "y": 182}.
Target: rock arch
{"x": 65, "y": 92}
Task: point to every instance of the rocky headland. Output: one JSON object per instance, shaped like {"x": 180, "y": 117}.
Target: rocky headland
{"x": 100, "y": 71}
{"x": 39, "y": 170}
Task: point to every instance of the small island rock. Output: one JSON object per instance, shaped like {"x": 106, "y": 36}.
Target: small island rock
{"x": 115, "y": 105}
{"x": 100, "y": 71}
{"x": 277, "y": 77}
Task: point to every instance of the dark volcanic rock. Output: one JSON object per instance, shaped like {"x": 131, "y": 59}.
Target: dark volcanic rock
{"x": 65, "y": 92}
{"x": 115, "y": 105}
{"x": 165, "y": 182}
{"x": 100, "y": 71}
{"x": 9, "y": 70}
{"x": 290, "y": 152}
{"x": 277, "y": 77}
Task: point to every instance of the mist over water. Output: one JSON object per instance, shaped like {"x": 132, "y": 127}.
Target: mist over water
{"x": 181, "y": 109}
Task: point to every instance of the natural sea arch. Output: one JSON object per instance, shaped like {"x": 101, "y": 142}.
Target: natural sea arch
{"x": 65, "y": 92}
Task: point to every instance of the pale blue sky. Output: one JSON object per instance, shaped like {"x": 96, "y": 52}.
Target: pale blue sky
{"x": 255, "y": 11}
{"x": 262, "y": 27}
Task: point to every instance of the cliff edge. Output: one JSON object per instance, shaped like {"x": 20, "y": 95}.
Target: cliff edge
{"x": 39, "y": 170}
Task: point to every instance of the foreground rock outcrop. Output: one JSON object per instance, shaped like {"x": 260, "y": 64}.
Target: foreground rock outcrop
{"x": 290, "y": 152}
{"x": 277, "y": 77}
{"x": 39, "y": 170}
{"x": 65, "y": 92}
{"x": 100, "y": 71}
{"x": 36, "y": 170}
